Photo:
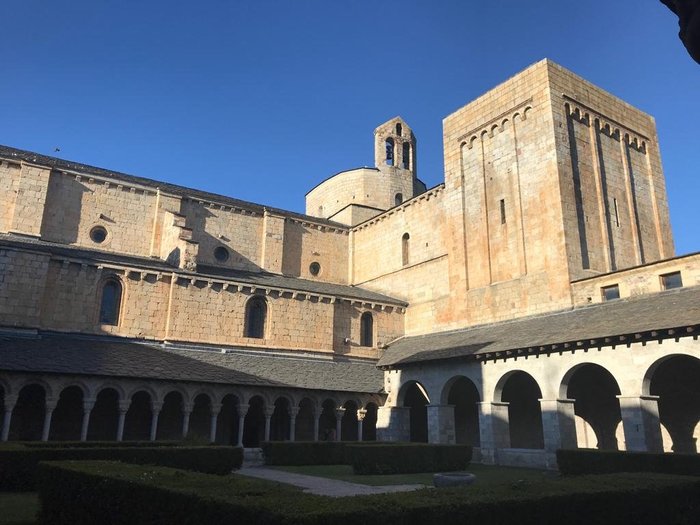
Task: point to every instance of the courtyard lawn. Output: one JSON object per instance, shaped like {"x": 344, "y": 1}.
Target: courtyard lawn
{"x": 18, "y": 508}
{"x": 485, "y": 475}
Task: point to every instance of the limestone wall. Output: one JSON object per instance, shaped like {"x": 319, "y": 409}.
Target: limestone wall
{"x": 612, "y": 184}
{"x": 306, "y": 243}
{"x": 637, "y": 281}
{"x": 502, "y": 203}
{"x": 9, "y": 182}
{"x": 76, "y": 204}
{"x": 23, "y": 275}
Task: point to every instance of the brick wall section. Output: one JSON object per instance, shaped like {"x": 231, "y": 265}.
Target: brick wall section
{"x": 22, "y": 279}
{"x": 637, "y": 281}
{"x": 306, "y": 242}
{"x": 76, "y": 204}
{"x": 9, "y": 182}
{"x": 614, "y": 148}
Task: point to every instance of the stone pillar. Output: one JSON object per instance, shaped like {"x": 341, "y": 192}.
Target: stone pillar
{"x": 441, "y": 424}
{"x": 268, "y": 415}
{"x": 242, "y": 412}
{"x": 186, "y": 411}
{"x": 293, "y": 412}
{"x": 361, "y": 413}
{"x": 88, "y": 405}
{"x": 640, "y": 421}
{"x": 48, "y": 414}
{"x": 123, "y": 409}
{"x": 317, "y": 424}
{"x": 339, "y": 413}
{"x": 215, "y": 409}
{"x": 10, "y": 402}
{"x": 494, "y": 431}
{"x": 393, "y": 424}
{"x": 156, "y": 407}
{"x": 558, "y": 427}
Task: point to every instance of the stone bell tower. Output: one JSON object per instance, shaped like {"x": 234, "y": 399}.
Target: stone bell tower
{"x": 395, "y": 147}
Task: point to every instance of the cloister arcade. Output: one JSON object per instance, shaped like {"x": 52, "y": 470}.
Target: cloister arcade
{"x": 39, "y": 407}
{"x": 651, "y": 402}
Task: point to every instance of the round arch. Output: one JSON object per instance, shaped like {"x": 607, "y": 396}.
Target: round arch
{"x": 28, "y": 416}
{"x": 413, "y": 396}
{"x": 522, "y": 393}
{"x": 254, "y": 424}
{"x": 463, "y": 394}
{"x": 67, "y": 419}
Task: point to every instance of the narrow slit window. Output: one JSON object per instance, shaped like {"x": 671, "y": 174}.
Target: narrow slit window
{"x": 617, "y": 213}
{"x": 399, "y": 129}
{"x": 366, "y": 330}
{"x": 398, "y": 199}
{"x": 404, "y": 248}
{"x": 255, "y": 316}
{"x": 503, "y": 211}
{"x": 406, "y": 154}
{"x": 390, "y": 151}
{"x": 110, "y": 303}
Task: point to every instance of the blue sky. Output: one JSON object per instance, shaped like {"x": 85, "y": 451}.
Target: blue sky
{"x": 261, "y": 100}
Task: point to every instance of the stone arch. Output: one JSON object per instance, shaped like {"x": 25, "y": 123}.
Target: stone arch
{"x": 369, "y": 425}
{"x": 200, "y": 417}
{"x": 279, "y": 421}
{"x": 327, "y": 420}
{"x": 227, "y": 420}
{"x": 28, "y": 416}
{"x": 111, "y": 294}
{"x": 675, "y": 379}
{"x": 412, "y": 395}
{"x": 254, "y": 425}
{"x": 137, "y": 423}
{"x": 257, "y": 313}
{"x": 463, "y": 394}
{"x": 67, "y": 419}
{"x": 348, "y": 424}
{"x": 119, "y": 389}
{"x": 141, "y": 387}
{"x": 49, "y": 388}
{"x": 104, "y": 417}
{"x": 522, "y": 393}
{"x": 596, "y": 405}
{"x": 170, "y": 419}
{"x": 306, "y": 418}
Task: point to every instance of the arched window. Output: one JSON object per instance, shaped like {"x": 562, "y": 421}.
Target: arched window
{"x": 399, "y": 129}
{"x": 404, "y": 249}
{"x": 111, "y": 301}
{"x": 398, "y": 199}
{"x": 366, "y": 329}
{"x": 255, "y": 315}
{"x": 390, "y": 151}
{"x": 406, "y": 155}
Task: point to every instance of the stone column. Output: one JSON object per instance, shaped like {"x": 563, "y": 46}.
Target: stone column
{"x": 123, "y": 409}
{"x": 268, "y": 415}
{"x": 48, "y": 414}
{"x": 186, "y": 411}
{"x": 156, "y": 407}
{"x": 317, "y": 424}
{"x": 361, "y": 413}
{"x": 242, "y": 412}
{"x": 558, "y": 427}
{"x": 339, "y": 413}
{"x": 494, "y": 431}
{"x": 215, "y": 409}
{"x": 10, "y": 402}
{"x": 441, "y": 424}
{"x": 640, "y": 421}
{"x": 88, "y": 405}
{"x": 393, "y": 424}
{"x": 293, "y": 412}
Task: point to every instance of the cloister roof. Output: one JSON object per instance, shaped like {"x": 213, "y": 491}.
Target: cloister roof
{"x": 100, "y": 356}
{"x": 669, "y": 314}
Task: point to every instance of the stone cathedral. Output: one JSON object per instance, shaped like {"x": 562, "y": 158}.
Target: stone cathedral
{"x": 532, "y": 301}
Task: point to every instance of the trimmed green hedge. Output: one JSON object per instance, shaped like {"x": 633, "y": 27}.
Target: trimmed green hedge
{"x": 582, "y": 461}
{"x": 75, "y": 493}
{"x": 101, "y": 444}
{"x": 407, "y": 458}
{"x": 18, "y": 467}
{"x": 305, "y": 452}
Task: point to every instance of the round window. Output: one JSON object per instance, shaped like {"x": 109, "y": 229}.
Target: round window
{"x": 315, "y": 268}
{"x": 221, "y": 254}
{"x": 98, "y": 234}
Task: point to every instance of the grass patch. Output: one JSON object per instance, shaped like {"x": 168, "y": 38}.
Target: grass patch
{"x": 18, "y": 508}
{"x": 485, "y": 475}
